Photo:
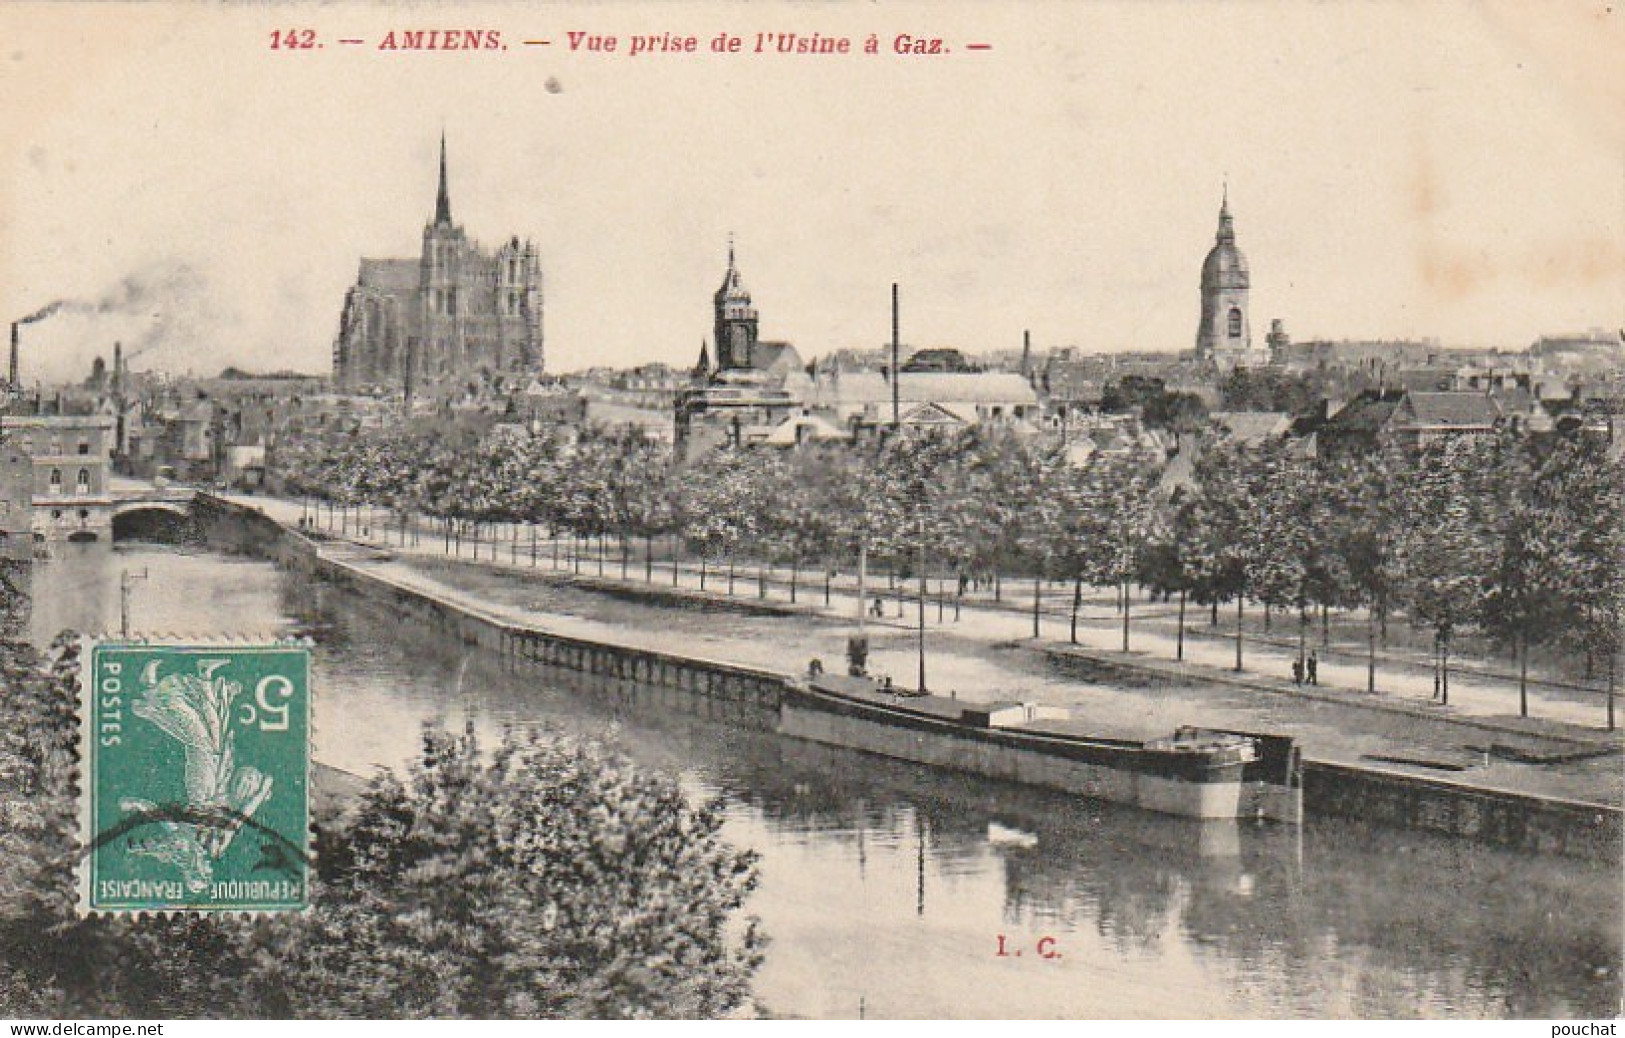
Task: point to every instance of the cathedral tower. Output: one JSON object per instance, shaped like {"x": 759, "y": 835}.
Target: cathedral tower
{"x": 454, "y": 317}
{"x": 439, "y": 347}
{"x": 1224, "y": 335}
{"x": 735, "y": 325}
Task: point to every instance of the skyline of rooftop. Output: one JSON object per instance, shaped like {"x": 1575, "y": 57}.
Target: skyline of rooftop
{"x": 1064, "y": 182}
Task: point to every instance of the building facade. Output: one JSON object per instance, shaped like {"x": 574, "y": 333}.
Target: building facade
{"x": 733, "y": 320}
{"x": 453, "y": 316}
{"x": 753, "y": 387}
{"x": 16, "y": 502}
{"x": 1224, "y": 335}
{"x": 69, "y": 488}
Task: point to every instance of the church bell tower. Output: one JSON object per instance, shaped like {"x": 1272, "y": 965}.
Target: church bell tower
{"x": 735, "y": 319}
{"x": 1224, "y": 335}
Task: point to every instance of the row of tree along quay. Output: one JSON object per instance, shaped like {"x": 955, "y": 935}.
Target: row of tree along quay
{"x": 541, "y": 877}
{"x": 1511, "y": 544}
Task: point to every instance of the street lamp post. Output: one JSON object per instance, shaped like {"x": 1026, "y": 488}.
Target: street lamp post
{"x": 922, "y": 601}
{"x": 125, "y": 580}
{"x": 917, "y": 485}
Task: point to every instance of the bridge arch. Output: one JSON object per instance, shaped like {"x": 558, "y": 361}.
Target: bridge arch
{"x": 165, "y": 521}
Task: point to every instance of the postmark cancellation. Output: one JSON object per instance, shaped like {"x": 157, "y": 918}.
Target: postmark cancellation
{"x": 195, "y": 776}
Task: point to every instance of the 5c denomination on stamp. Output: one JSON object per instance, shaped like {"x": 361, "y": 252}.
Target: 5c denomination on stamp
{"x": 196, "y": 777}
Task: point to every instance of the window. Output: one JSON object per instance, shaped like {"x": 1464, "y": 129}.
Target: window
{"x": 84, "y": 513}
{"x": 1235, "y": 322}
{"x": 83, "y": 481}
{"x": 56, "y": 481}
{"x": 451, "y": 301}
{"x": 56, "y": 445}
{"x": 84, "y": 446}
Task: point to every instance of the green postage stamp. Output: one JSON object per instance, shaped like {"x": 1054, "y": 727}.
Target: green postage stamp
{"x": 195, "y": 777}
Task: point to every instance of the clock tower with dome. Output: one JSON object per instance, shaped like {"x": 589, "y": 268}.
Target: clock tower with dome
{"x": 1224, "y": 336}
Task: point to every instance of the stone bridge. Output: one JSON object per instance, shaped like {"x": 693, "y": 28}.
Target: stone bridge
{"x": 175, "y": 500}
{"x": 144, "y": 510}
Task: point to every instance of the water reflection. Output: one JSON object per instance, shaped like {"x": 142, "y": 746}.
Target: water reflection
{"x": 887, "y": 888}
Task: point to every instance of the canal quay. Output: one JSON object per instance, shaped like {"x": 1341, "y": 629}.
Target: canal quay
{"x": 890, "y": 889}
{"x": 989, "y": 654}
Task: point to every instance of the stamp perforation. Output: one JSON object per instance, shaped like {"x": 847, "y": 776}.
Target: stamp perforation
{"x": 195, "y": 722}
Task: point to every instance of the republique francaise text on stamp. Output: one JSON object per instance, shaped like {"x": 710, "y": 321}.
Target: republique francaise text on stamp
{"x": 195, "y": 780}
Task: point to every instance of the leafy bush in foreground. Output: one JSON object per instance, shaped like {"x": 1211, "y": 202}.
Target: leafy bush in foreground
{"x": 546, "y": 877}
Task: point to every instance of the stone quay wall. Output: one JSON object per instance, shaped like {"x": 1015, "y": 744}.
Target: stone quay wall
{"x": 1330, "y": 790}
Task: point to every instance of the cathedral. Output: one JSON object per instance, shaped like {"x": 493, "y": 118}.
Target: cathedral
{"x": 1224, "y": 337}
{"x": 454, "y": 315}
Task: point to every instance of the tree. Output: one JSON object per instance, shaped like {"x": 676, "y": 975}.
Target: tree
{"x": 1585, "y": 524}
{"x": 628, "y": 474}
{"x": 1283, "y": 540}
{"x": 1265, "y": 389}
{"x": 1108, "y": 517}
{"x": 1522, "y": 601}
{"x": 801, "y": 517}
{"x": 1169, "y": 562}
{"x": 544, "y": 877}
{"x": 1221, "y": 516}
{"x": 547, "y": 878}
{"x": 1359, "y": 518}
{"x": 1029, "y": 501}
{"x": 720, "y": 505}
{"x": 1444, "y": 548}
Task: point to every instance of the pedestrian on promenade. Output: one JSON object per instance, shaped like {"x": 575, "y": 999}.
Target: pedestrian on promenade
{"x": 857, "y": 655}
{"x": 1312, "y": 668}
{"x": 1297, "y": 671}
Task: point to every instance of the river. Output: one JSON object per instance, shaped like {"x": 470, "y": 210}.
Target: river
{"x": 889, "y": 890}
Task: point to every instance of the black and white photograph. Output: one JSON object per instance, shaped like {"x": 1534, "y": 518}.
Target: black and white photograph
{"x": 812, "y": 511}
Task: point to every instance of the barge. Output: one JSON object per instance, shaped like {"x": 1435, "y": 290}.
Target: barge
{"x": 1203, "y": 773}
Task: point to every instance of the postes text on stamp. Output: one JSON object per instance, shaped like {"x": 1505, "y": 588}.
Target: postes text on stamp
{"x": 195, "y": 777}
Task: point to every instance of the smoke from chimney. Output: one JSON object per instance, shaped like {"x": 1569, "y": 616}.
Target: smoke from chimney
{"x": 39, "y": 315}
{"x": 169, "y": 302}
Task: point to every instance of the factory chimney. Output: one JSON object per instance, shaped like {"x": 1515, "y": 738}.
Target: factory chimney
{"x": 896, "y": 407}
{"x": 120, "y": 444}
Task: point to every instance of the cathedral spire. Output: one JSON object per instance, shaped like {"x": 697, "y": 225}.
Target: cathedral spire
{"x": 442, "y": 203}
{"x": 1227, "y": 229}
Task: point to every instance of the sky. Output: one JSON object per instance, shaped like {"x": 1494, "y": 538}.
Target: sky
{"x": 1444, "y": 170}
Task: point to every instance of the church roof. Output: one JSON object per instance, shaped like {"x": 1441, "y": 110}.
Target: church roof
{"x": 1225, "y": 266}
{"x": 733, "y": 286}
{"x": 779, "y": 358}
{"x": 390, "y": 275}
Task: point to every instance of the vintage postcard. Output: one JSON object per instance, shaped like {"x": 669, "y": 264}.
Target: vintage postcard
{"x": 1103, "y": 510}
